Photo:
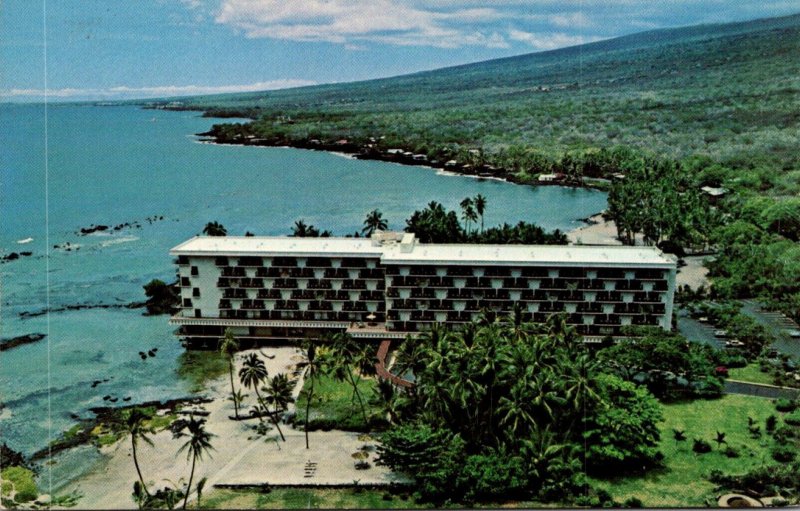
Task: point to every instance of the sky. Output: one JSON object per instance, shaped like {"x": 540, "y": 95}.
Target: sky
{"x": 119, "y": 49}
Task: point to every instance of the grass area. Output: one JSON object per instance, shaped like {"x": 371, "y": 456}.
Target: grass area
{"x": 329, "y": 498}
{"x": 683, "y": 482}
{"x": 333, "y": 407}
{"x": 201, "y": 367}
{"x": 751, "y": 373}
{"x": 18, "y": 486}
{"x": 305, "y": 498}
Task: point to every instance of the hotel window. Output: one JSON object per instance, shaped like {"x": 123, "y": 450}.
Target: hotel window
{"x": 194, "y": 272}
{"x": 187, "y": 302}
{"x": 198, "y": 313}
{"x": 196, "y": 292}
{"x": 185, "y": 281}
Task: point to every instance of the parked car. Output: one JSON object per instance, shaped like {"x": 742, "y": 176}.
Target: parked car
{"x": 720, "y": 333}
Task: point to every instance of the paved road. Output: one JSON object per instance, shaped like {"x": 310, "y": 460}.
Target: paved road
{"x": 696, "y": 331}
{"x": 752, "y": 389}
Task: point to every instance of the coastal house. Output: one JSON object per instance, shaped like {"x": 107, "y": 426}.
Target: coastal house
{"x": 390, "y": 286}
{"x": 550, "y": 178}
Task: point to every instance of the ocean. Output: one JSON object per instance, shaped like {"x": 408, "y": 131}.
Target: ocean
{"x": 144, "y": 168}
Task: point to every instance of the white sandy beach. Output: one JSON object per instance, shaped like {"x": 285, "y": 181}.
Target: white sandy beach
{"x": 240, "y": 456}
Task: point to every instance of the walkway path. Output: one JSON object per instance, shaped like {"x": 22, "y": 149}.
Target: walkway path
{"x": 380, "y": 367}
{"x": 760, "y": 390}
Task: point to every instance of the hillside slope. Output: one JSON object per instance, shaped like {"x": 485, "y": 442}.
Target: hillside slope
{"x": 730, "y": 92}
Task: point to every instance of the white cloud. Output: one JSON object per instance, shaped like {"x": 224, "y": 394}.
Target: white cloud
{"x": 357, "y": 21}
{"x": 122, "y": 92}
{"x": 548, "y": 41}
{"x": 571, "y": 20}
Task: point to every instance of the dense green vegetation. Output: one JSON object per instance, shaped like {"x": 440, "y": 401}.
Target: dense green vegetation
{"x": 507, "y": 410}
{"x": 667, "y": 364}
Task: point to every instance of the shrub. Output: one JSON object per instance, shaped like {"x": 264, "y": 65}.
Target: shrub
{"x": 730, "y": 452}
{"x": 786, "y": 405}
{"x": 783, "y": 434}
{"x": 784, "y": 453}
{"x": 771, "y": 423}
{"x": 24, "y": 485}
{"x": 492, "y": 476}
{"x": 700, "y": 446}
{"x": 793, "y": 418}
{"x": 633, "y": 502}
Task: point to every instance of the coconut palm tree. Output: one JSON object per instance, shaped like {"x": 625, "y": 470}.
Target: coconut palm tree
{"x": 252, "y": 374}
{"x": 467, "y": 211}
{"x": 215, "y": 229}
{"x": 278, "y": 393}
{"x": 135, "y": 426}
{"x": 228, "y": 346}
{"x": 303, "y": 230}
{"x": 343, "y": 357}
{"x": 313, "y": 370}
{"x": 480, "y": 206}
{"x": 197, "y": 445}
{"x": 374, "y": 222}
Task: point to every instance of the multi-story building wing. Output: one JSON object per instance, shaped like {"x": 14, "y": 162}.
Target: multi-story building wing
{"x": 390, "y": 285}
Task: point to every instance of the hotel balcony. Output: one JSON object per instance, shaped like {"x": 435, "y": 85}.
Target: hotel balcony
{"x": 251, "y": 261}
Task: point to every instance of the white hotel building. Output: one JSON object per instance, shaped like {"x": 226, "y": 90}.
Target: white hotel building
{"x": 391, "y": 285}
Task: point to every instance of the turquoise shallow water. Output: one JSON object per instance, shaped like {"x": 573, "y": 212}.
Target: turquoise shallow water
{"x": 108, "y": 166}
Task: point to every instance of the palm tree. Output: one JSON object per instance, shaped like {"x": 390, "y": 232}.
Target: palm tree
{"x": 467, "y": 211}
{"x": 374, "y": 222}
{"x": 135, "y": 426}
{"x": 215, "y": 229}
{"x": 343, "y": 358}
{"x": 313, "y": 369}
{"x": 252, "y": 373}
{"x": 229, "y": 346}
{"x": 480, "y": 206}
{"x": 198, "y": 444}
{"x": 303, "y": 230}
{"x": 279, "y": 394}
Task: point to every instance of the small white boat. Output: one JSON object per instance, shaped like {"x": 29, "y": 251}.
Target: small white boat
{"x": 26, "y": 240}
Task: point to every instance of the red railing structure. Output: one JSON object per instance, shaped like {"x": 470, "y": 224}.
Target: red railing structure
{"x": 380, "y": 367}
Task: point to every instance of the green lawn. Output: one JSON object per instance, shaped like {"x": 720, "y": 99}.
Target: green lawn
{"x": 328, "y": 498}
{"x": 683, "y": 482}
{"x": 333, "y": 401}
{"x": 303, "y": 498}
{"x": 751, "y": 373}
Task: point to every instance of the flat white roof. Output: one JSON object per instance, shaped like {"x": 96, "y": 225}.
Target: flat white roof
{"x": 276, "y": 245}
{"x": 540, "y": 255}
{"x": 425, "y": 253}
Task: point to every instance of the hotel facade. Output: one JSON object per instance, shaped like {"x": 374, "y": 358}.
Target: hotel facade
{"x": 390, "y": 285}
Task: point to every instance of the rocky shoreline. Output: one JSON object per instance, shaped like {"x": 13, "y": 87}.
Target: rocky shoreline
{"x": 13, "y": 342}
{"x": 400, "y": 156}
{"x": 42, "y": 312}
{"x": 109, "y": 417}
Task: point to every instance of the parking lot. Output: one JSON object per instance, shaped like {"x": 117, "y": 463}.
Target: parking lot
{"x": 777, "y": 325}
